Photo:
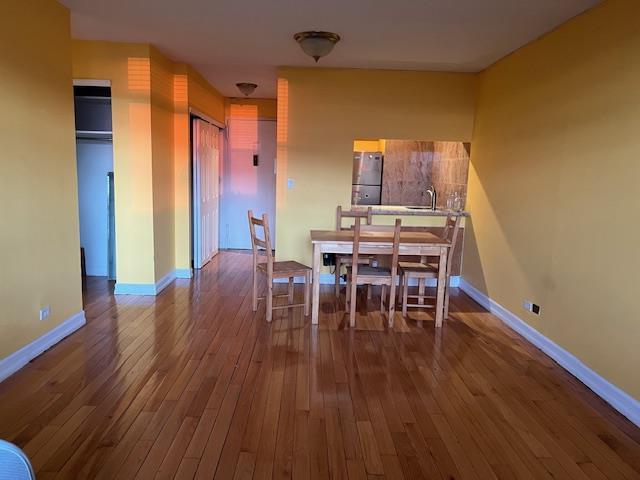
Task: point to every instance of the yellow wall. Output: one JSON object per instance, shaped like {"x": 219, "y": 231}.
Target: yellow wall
{"x": 38, "y": 188}
{"x": 262, "y": 107}
{"x": 151, "y": 97}
{"x": 369, "y": 145}
{"x": 128, "y": 67}
{"x": 204, "y": 98}
{"x": 320, "y": 114}
{"x": 190, "y": 91}
{"x": 182, "y": 165}
{"x": 553, "y": 188}
{"x": 162, "y": 152}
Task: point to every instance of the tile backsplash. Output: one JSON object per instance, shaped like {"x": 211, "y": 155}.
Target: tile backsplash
{"x": 411, "y": 166}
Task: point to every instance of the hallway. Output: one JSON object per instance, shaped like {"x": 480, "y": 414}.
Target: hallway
{"x": 192, "y": 383}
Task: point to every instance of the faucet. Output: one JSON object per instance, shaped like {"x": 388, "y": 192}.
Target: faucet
{"x": 434, "y": 195}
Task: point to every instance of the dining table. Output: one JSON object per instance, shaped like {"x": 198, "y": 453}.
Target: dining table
{"x": 412, "y": 243}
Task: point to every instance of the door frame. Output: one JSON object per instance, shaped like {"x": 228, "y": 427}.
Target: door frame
{"x": 272, "y": 217}
{"x": 194, "y": 183}
{"x": 196, "y": 113}
{"x": 112, "y": 218}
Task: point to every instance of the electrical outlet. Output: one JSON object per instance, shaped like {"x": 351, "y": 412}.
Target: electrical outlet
{"x": 328, "y": 259}
{"x": 44, "y": 312}
{"x": 529, "y": 306}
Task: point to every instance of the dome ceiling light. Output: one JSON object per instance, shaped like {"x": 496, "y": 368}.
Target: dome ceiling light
{"x": 317, "y": 44}
{"x": 246, "y": 88}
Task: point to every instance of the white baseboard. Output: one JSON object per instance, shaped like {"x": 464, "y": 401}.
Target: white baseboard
{"x": 18, "y": 359}
{"x": 93, "y": 270}
{"x": 614, "y": 396}
{"x": 145, "y": 288}
{"x": 329, "y": 279}
{"x": 134, "y": 289}
{"x": 184, "y": 272}
{"x": 165, "y": 281}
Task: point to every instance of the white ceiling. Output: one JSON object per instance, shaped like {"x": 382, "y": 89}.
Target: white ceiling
{"x": 230, "y": 41}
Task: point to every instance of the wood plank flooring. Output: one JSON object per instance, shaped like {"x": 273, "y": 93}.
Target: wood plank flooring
{"x": 193, "y": 384}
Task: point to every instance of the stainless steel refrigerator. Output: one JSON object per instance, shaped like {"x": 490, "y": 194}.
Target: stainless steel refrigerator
{"x": 367, "y": 178}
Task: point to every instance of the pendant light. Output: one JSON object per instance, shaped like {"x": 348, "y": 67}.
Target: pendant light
{"x": 317, "y": 44}
{"x": 246, "y": 88}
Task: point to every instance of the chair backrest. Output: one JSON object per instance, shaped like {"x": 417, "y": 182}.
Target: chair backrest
{"x": 395, "y": 249}
{"x": 450, "y": 232}
{"x": 262, "y": 241}
{"x": 14, "y": 464}
{"x": 450, "y": 224}
{"x": 377, "y": 228}
{"x": 340, "y": 214}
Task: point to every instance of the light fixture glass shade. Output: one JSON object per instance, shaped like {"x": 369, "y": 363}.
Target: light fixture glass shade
{"x": 246, "y": 88}
{"x": 317, "y": 44}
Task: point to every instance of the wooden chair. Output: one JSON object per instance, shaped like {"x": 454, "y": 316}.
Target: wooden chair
{"x": 358, "y": 274}
{"x": 272, "y": 269}
{"x": 423, "y": 270}
{"x": 346, "y": 260}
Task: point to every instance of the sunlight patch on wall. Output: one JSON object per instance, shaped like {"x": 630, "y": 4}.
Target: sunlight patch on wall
{"x": 139, "y": 74}
{"x": 282, "y": 132}
{"x": 181, "y": 140}
{"x": 180, "y": 90}
{"x": 242, "y": 145}
{"x": 140, "y": 143}
{"x": 243, "y": 111}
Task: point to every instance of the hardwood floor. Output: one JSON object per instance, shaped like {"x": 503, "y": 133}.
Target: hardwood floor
{"x": 193, "y": 384}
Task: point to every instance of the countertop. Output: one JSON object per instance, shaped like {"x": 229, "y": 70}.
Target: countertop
{"x": 408, "y": 211}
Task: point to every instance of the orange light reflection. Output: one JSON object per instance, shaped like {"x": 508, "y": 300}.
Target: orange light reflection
{"x": 242, "y": 145}
{"x": 282, "y": 138}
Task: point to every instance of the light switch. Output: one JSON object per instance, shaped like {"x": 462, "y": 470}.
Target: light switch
{"x": 290, "y": 183}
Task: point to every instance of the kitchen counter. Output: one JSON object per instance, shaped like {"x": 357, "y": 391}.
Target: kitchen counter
{"x": 408, "y": 211}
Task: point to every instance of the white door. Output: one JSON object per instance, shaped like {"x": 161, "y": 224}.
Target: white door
{"x": 205, "y": 191}
{"x": 248, "y": 179}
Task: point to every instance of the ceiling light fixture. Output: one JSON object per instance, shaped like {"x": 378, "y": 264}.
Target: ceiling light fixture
{"x": 317, "y": 44}
{"x": 246, "y": 88}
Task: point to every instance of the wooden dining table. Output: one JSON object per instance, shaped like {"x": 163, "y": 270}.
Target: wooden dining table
{"x": 412, "y": 243}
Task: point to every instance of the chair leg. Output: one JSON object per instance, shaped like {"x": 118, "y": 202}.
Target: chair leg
{"x": 307, "y": 288}
{"x": 446, "y": 298}
{"x": 382, "y": 298}
{"x": 269, "y": 299}
{"x": 337, "y": 278}
{"x": 369, "y": 291}
{"x": 254, "y": 302}
{"x": 400, "y": 280}
{"x": 290, "y": 291}
{"x": 347, "y": 293}
{"x": 405, "y": 293}
{"x": 421, "y": 285}
{"x": 392, "y": 302}
{"x": 352, "y": 302}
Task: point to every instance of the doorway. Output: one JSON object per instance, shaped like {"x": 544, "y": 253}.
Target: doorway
{"x": 94, "y": 157}
{"x": 248, "y": 179}
{"x": 206, "y": 140}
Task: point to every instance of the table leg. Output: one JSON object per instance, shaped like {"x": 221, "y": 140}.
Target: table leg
{"x": 315, "y": 297}
{"x": 307, "y": 289}
{"x": 421, "y": 289}
{"x": 442, "y": 278}
{"x": 290, "y": 291}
